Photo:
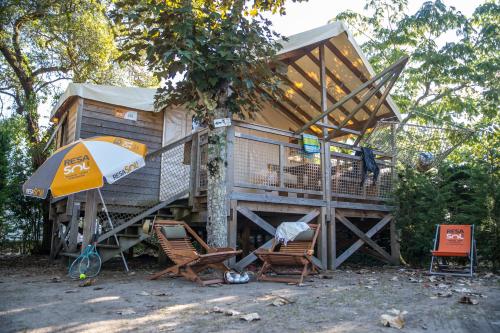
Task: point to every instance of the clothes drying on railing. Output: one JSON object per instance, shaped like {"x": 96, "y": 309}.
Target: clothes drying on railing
{"x": 369, "y": 164}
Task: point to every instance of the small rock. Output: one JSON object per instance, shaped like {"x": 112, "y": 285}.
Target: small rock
{"x": 394, "y": 278}
{"x": 444, "y": 294}
{"x": 160, "y": 293}
{"x": 250, "y": 316}
{"x": 279, "y": 301}
{"x": 468, "y": 300}
{"x": 325, "y": 276}
{"x": 143, "y": 293}
{"x": 98, "y": 288}
{"x": 126, "y": 312}
{"x": 55, "y": 279}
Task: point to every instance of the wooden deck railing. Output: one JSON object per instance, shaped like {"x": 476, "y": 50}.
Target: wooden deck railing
{"x": 264, "y": 159}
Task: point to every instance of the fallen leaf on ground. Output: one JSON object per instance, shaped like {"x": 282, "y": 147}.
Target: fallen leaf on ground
{"x": 489, "y": 275}
{"x": 227, "y": 312}
{"x": 70, "y": 291}
{"x": 468, "y": 300}
{"x": 461, "y": 290}
{"x": 394, "y": 278}
{"x": 444, "y": 294}
{"x": 280, "y": 300}
{"x": 160, "y": 293}
{"x": 126, "y": 312}
{"x": 395, "y": 319}
{"x": 413, "y": 280}
{"x": 98, "y": 288}
{"x": 250, "y": 316}
{"x": 87, "y": 283}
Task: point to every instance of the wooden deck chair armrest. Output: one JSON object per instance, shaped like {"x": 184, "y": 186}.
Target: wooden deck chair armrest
{"x": 216, "y": 254}
{"x": 185, "y": 254}
{"x": 280, "y": 254}
{"x": 220, "y": 249}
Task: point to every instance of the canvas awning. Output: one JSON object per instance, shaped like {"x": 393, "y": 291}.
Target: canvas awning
{"x": 346, "y": 68}
{"x": 130, "y": 97}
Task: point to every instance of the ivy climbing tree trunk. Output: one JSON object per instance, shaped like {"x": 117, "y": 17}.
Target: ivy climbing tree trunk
{"x": 217, "y": 191}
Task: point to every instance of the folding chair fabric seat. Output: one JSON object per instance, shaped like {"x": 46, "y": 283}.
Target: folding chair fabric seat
{"x": 454, "y": 241}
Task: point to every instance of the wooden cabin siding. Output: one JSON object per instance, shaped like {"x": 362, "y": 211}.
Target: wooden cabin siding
{"x": 141, "y": 188}
{"x": 71, "y": 122}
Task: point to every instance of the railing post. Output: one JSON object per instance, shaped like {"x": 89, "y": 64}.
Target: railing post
{"x": 193, "y": 171}
{"x": 282, "y": 160}
{"x": 230, "y": 165}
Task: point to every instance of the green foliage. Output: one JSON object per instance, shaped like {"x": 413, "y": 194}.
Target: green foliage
{"x": 452, "y": 78}
{"x": 210, "y": 54}
{"x": 20, "y": 217}
{"x": 466, "y": 194}
{"x": 454, "y": 62}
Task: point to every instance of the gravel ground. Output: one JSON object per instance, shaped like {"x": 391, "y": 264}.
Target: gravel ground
{"x": 37, "y": 297}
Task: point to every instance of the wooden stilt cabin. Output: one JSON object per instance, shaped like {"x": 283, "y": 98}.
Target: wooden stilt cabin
{"x": 330, "y": 91}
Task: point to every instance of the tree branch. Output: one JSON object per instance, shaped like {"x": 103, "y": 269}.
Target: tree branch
{"x": 50, "y": 69}
{"x": 43, "y": 85}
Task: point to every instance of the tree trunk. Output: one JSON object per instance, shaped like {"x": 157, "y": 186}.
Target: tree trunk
{"x": 216, "y": 170}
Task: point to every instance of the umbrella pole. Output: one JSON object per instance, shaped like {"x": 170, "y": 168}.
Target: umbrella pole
{"x": 112, "y": 227}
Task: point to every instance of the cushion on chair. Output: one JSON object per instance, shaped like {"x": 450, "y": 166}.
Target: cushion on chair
{"x": 174, "y": 231}
{"x": 306, "y": 235}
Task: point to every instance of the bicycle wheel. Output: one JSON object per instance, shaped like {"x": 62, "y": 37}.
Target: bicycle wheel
{"x": 74, "y": 269}
{"x": 93, "y": 265}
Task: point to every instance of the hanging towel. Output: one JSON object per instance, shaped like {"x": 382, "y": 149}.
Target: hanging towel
{"x": 287, "y": 231}
{"x": 369, "y": 164}
{"x": 311, "y": 144}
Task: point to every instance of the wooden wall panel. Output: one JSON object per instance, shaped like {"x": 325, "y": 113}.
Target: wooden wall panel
{"x": 140, "y": 188}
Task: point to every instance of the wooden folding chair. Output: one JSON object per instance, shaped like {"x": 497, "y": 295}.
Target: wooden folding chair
{"x": 453, "y": 241}
{"x": 293, "y": 258}
{"x": 175, "y": 241}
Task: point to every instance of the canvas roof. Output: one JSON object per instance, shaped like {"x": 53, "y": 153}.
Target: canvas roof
{"x": 346, "y": 69}
{"x": 129, "y": 97}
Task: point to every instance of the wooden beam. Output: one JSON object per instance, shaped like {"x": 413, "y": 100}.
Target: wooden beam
{"x": 354, "y": 247}
{"x": 89, "y": 223}
{"x": 365, "y": 100}
{"x": 353, "y": 93}
{"x": 282, "y": 107}
{"x": 317, "y": 86}
{"x": 381, "y": 100}
{"x": 256, "y": 219}
{"x": 337, "y": 81}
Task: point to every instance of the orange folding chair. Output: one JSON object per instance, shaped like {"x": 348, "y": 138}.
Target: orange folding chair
{"x": 453, "y": 241}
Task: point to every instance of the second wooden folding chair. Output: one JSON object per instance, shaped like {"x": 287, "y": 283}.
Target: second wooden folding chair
{"x": 294, "y": 258}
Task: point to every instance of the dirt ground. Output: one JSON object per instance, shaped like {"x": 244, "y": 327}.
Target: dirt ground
{"x": 37, "y": 297}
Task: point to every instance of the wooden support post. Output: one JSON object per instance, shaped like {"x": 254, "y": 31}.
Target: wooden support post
{"x": 323, "y": 243}
{"x": 230, "y": 166}
{"x": 89, "y": 223}
{"x": 332, "y": 240}
{"x": 54, "y": 242}
{"x": 232, "y": 230}
{"x": 395, "y": 253}
{"x": 73, "y": 228}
